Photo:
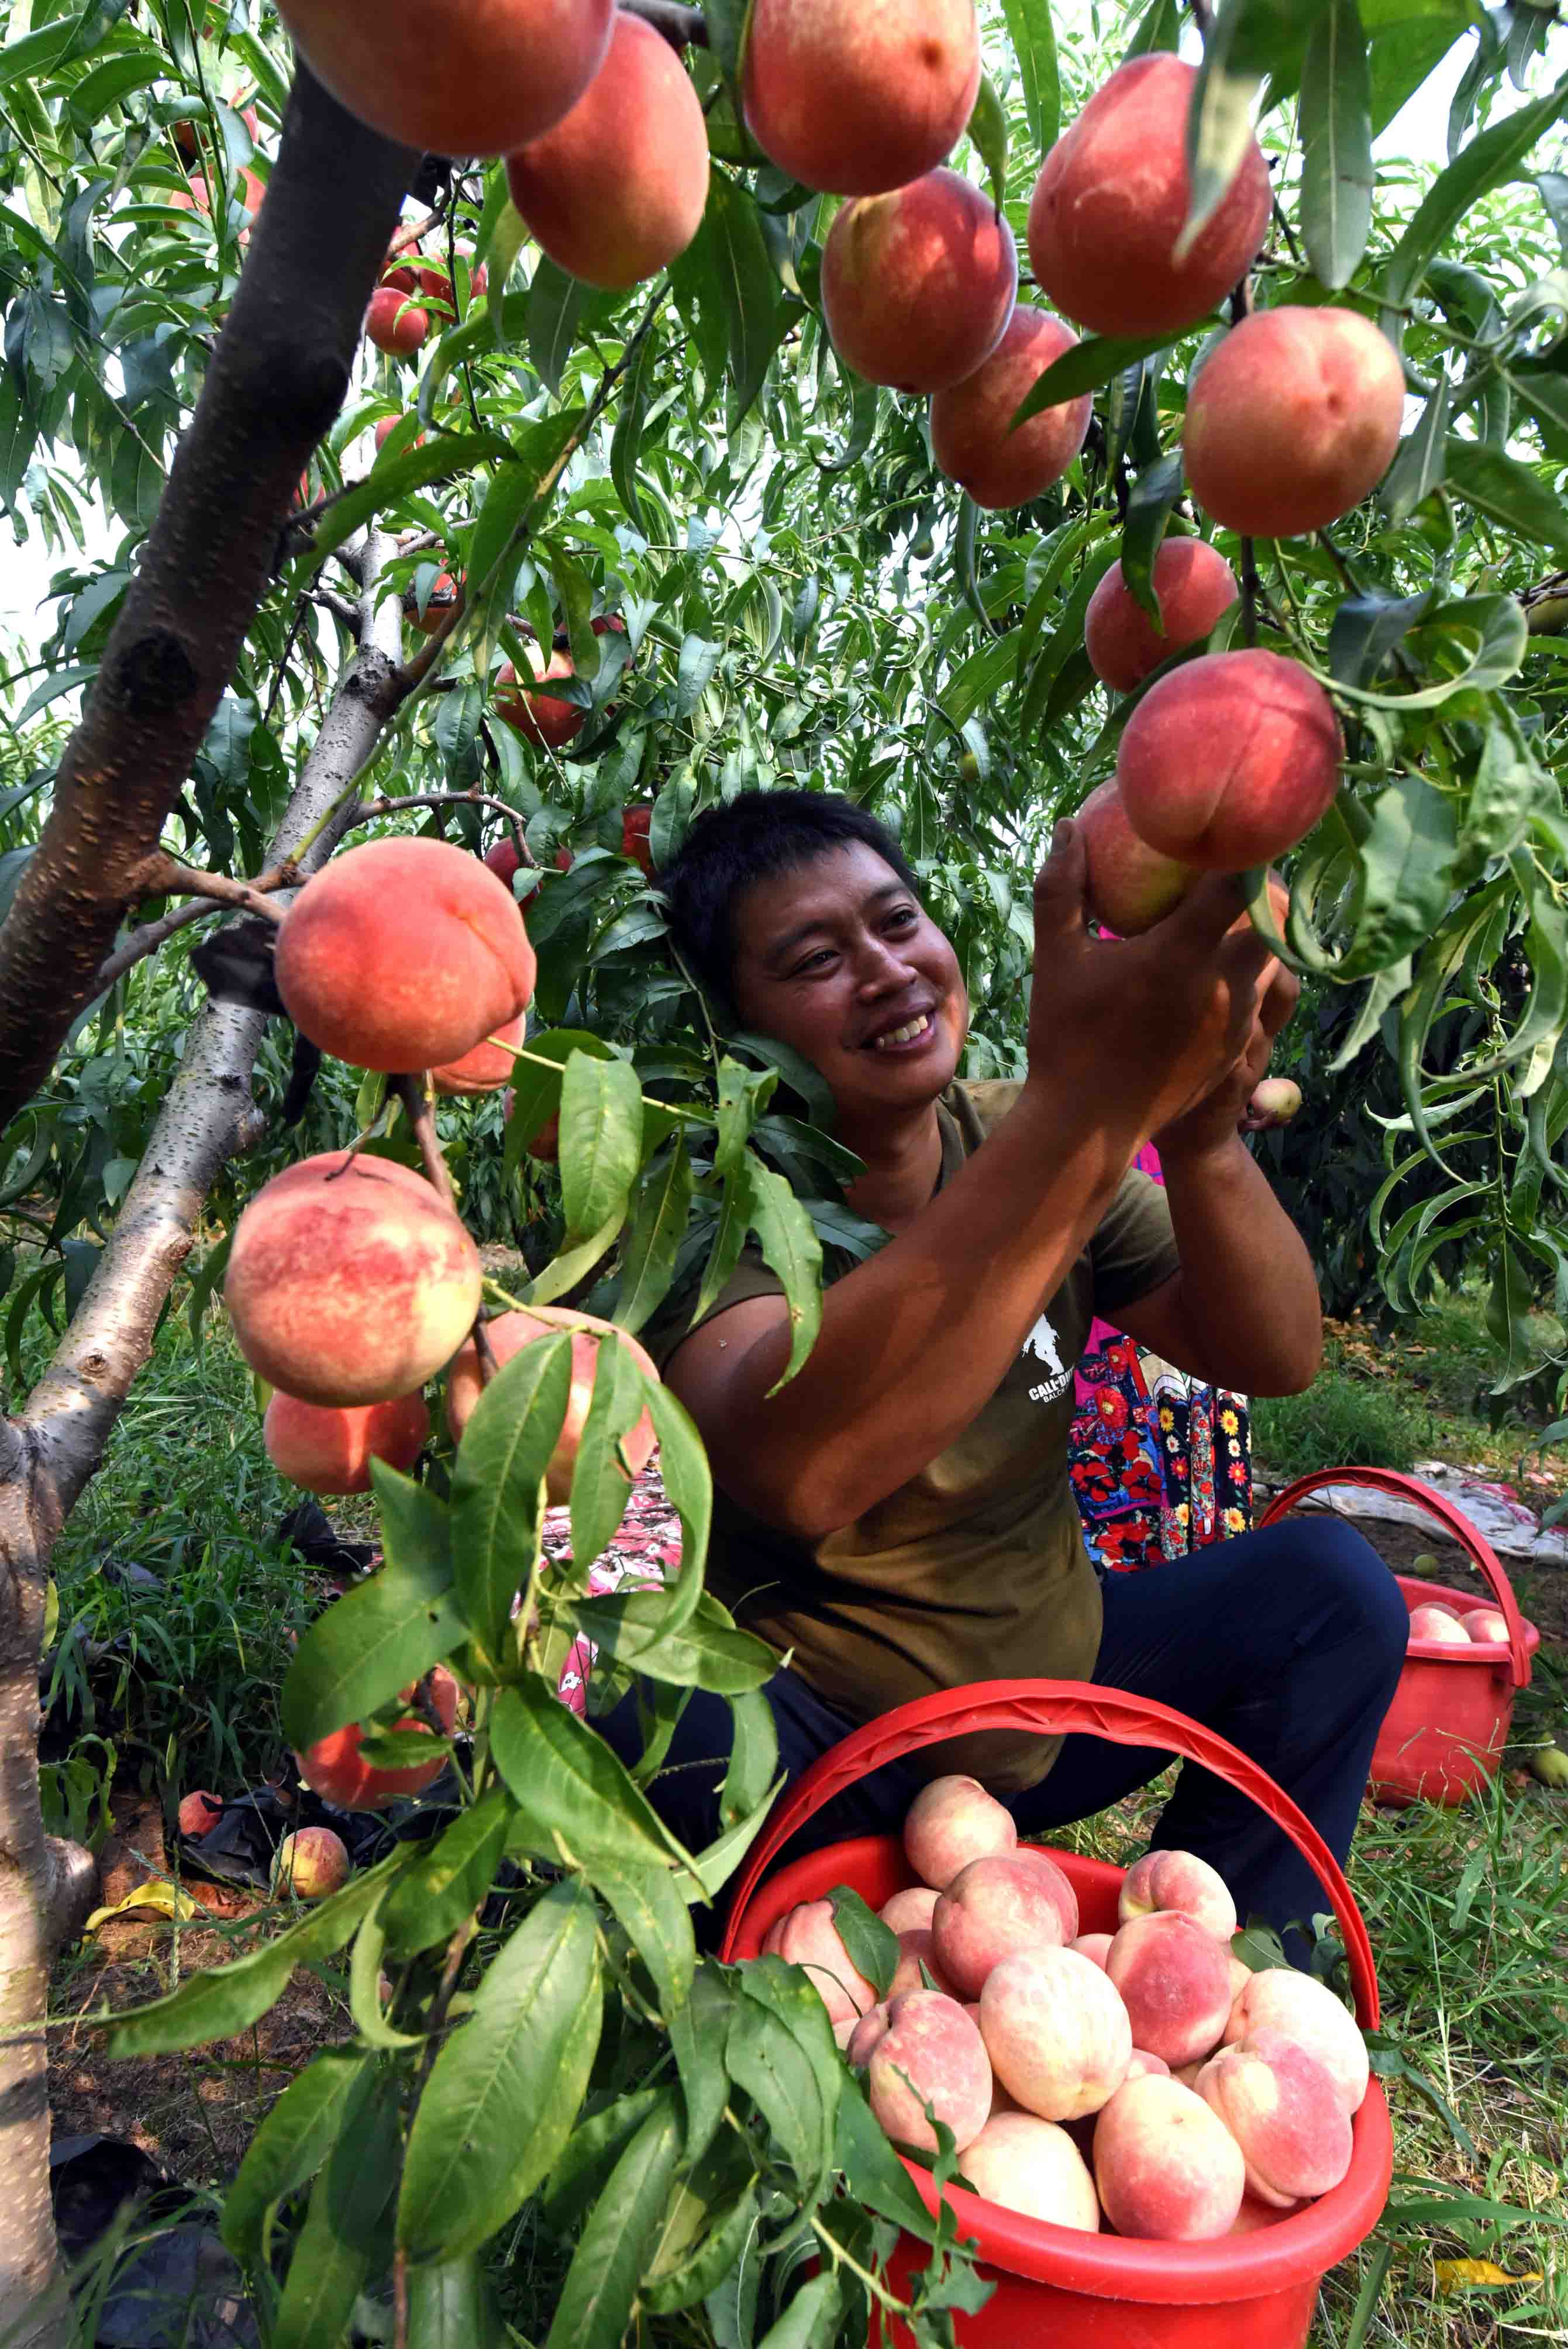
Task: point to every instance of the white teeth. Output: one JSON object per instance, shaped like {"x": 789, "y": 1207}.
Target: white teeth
{"x": 905, "y": 1035}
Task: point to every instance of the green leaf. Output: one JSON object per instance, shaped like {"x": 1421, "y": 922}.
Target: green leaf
{"x": 290, "y": 2147}
{"x": 1084, "y": 367}
{"x": 734, "y": 251}
{"x": 1034, "y": 40}
{"x": 689, "y": 1487}
{"x": 441, "y": 460}
{"x": 601, "y": 1482}
{"x": 1406, "y": 869}
{"x": 1507, "y": 491}
{"x": 711, "y": 2222}
{"x": 500, "y": 2106}
{"x": 1336, "y": 170}
{"x": 1150, "y": 504}
{"x": 811, "y": 2316}
{"x": 557, "y": 306}
{"x": 565, "y": 1272}
{"x": 1159, "y": 28}
{"x": 1489, "y": 159}
{"x": 452, "y": 2307}
{"x": 1488, "y": 631}
{"x": 575, "y": 1800}
{"x": 511, "y": 498}
{"x": 378, "y": 1637}
{"x": 636, "y": 391}
{"x": 343, "y": 2230}
{"x": 595, "y": 2146}
{"x": 600, "y": 1142}
{"x": 987, "y": 126}
{"x": 649, "y": 1910}
{"x": 872, "y": 2171}
{"x": 601, "y": 2287}
{"x": 873, "y": 1947}
{"x": 497, "y": 1484}
{"x": 536, "y": 1090}
{"x": 1246, "y": 38}
{"x": 776, "y": 2066}
{"x": 659, "y": 1216}
{"x": 791, "y": 1249}
{"x": 703, "y": 1653}
{"x": 1418, "y": 468}
{"x": 453, "y": 1876}
{"x": 728, "y": 1240}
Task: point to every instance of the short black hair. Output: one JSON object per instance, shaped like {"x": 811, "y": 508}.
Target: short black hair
{"x": 749, "y": 839}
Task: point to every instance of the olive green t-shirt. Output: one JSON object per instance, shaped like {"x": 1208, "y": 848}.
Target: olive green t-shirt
{"x": 975, "y": 1569}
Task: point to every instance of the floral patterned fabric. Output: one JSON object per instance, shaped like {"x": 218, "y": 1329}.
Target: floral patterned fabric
{"x": 1160, "y": 1464}
{"x": 645, "y": 1551}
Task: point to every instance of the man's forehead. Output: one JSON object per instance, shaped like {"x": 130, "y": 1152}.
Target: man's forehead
{"x": 844, "y": 877}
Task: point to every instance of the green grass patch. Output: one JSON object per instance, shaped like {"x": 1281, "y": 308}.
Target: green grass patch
{"x": 1341, "y": 1422}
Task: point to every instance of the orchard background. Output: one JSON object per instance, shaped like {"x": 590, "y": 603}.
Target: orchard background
{"x": 234, "y": 648}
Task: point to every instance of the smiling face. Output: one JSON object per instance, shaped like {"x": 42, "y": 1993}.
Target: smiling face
{"x": 839, "y": 960}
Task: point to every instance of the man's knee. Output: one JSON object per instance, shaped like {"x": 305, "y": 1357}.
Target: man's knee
{"x": 1359, "y": 1601}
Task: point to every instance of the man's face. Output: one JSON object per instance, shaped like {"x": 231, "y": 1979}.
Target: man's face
{"x": 838, "y": 959}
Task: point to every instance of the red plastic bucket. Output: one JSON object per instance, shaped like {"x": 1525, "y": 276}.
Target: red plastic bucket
{"x": 1054, "y": 2284}
{"x": 1444, "y": 1733}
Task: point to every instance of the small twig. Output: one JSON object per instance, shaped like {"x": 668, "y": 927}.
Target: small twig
{"x": 1251, "y": 589}
{"x": 160, "y": 876}
{"x": 448, "y": 799}
{"x": 421, "y": 1116}
{"x": 488, "y": 1366}
{"x": 338, "y": 606}
{"x": 684, "y": 28}
{"x": 400, "y": 2299}
{"x": 289, "y": 642}
{"x": 1282, "y": 224}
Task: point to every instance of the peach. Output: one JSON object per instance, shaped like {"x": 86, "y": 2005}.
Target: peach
{"x": 918, "y": 284}
{"x": 617, "y": 189}
{"x": 1110, "y": 203}
{"x": 1273, "y": 1102}
{"x": 1032, "y": 2165}
{"x": 335, "y": 1768}
{"x": 488, "y": 1066}
{"x": 1229, "y": 760}
{"x": 1142, "y": 2065}
{"x": 1291, "y": 421}
{"x": 854, "y": 100}
{"x": 929, "y": 2053}
{"x": 1181, "y": 1881}
{"x": 910, "y": 1910}
{"x": 504, "y": 861}
{"x": 402, "y": 955}
{"x": 540, "y": 717}
{"x": 1056, "y": 1882}
{"x": 329, "y": 1450}
{"x": 1165, "y": 2167}
{"x": 1437, "y": 1625}
{"x": 1487, "y": 1627}
{"x": 1241, "y": 1975}
{"x": 1175, "y": 1981}
{"x": 395, "y": 325}
{"x": 1056, "y": 2032}
{"x": 864, "y": 2032}
{"x": 991, "y": 1908}
{"x": 311, "y": 1863}
{"x": 1254, "y": 2215}
{"x": 844, "y": 2031}
{"x": 917, "y": 1948}
{"x": 1095, "y": 1947}
{"x": 384, "y": 432}
{"x": 348, "y": 1281}
{"x": 1285, "y": 2113}
{"x": 1193, "y": 585}
{"x": 199, "y": 1811}
{"x": 1130, "y": 886}
{"x": 951, "y": 1822}
{"x": 807, "y": 1937}
{"x": 445, "y": 596}
{"x": 972, "y": 435}
{"x": 508, "y": 1334}
{"x": 454, "y": 76}
{"x": 1306, "y": 2011}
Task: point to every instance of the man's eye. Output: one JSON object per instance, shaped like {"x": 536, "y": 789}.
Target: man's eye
{"x": 904, "y": 915}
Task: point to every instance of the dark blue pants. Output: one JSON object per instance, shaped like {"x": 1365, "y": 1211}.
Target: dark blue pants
{"x": 1287, "y": 1642}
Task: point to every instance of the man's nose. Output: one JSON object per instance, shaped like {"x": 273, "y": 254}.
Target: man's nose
{"x": 880, "y": 967}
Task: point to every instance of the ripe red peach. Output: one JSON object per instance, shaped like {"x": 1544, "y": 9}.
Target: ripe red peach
{"x": 335, "y": 1769}
{"x": 853, "y": 100}
{"x": 311, "y": 1863}
{"x": 504, "y": 861}
{"x": 1273, "y": 1102}
{"x": 1056, "y": 2032}
{"x": 454, "y": 76}
{"x": 1253, "y": 2214}
{"x": 1436, "y": 1624}
{"x": 543, "y": 718}
{"x": 1487, "y": 1626}
{"x": 951, "y": 1822}
{"x": 508, "y": 1334}
{"x": 1229, "y": 760}
{"x": 1193, "y": 585}
{"x": 1110, "y": 203}
{"x": 1095, "y": 1947}
{"x": 329, "y": 1450}
{"x": 917, "y": 1949}
{"x": 918, "y": 284}
{"x": 1165, "y": 2167}
{"x": 1142, "y": 2065}
{"x": 199, "y": 1811}
{"x": 617, "y": 189}
{"x": 1181, "y": 1881}
{"x": 972, "y": 435}
{"x": 930, "y": 2053}
{"x": 910, "y": 1910}
{"x": 991, "y": 1908}
{"x": 395, "y": 325}
{"x": 1293, "y": 420}
{"x": 402, "y": 955}
{"x": 348, "y": 1281}
{"x": 1129, "y": 885}
{"x": 1058, "y": 1883}
{"x": 1032, "y": 2165}
{"x": 1306, "y": 2011}
{"x": 1285, "y": 2112}
{"x": 445, "y": 596}
{"x": 487, "y": 1067}
{"x": 807, "y": 1937}
{"x": 1175, "y": 1980}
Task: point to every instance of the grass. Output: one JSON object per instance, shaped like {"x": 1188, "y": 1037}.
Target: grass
{"x": 1468, "y": 1910}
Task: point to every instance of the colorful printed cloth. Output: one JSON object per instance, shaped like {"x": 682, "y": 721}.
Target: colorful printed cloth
{"x": 645, "y": 1552}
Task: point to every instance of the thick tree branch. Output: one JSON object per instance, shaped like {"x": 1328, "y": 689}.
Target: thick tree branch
{"x": 277, "y": 379}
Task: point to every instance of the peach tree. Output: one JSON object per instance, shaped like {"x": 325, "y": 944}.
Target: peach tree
{"x": 308, "y": 584}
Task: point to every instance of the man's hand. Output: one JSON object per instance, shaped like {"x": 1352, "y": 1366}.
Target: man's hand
{"x": 1223, "y": 1113}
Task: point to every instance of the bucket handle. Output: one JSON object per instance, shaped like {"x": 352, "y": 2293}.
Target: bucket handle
{"x": 1454, "y": 1522}
{"x": 1047, "y": 1708}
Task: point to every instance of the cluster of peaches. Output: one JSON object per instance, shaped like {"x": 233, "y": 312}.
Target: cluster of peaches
{"x": 1433, "y": 1623}
{"x": 1146, "y": 2079}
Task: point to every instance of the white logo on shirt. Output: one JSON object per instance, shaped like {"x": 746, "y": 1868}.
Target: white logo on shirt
{"x": 1041, "y": 1342}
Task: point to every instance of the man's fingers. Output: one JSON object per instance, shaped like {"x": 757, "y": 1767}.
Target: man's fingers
{"x": 1280, "y": 1000}
{"x": 1060, "y": 884}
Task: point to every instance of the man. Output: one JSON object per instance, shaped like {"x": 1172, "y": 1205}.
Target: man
{"x": 898, "y": 1518}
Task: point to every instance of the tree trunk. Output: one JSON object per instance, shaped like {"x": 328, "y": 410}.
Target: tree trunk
{"x": 51, "y": 1449}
